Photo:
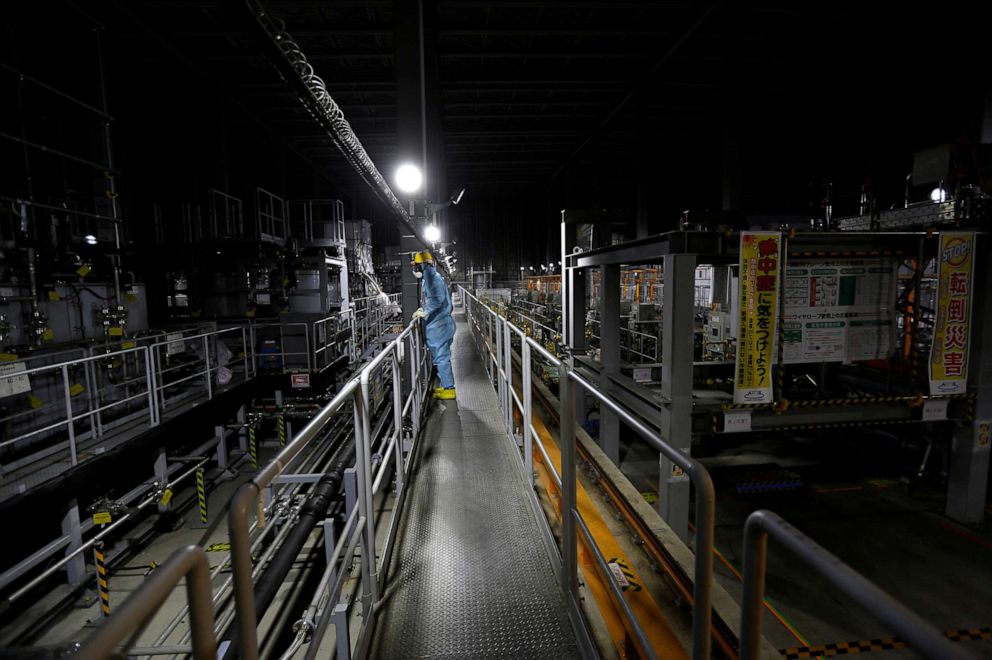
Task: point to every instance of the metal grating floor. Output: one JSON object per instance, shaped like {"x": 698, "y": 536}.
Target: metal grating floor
{"x": 470, "y": 577}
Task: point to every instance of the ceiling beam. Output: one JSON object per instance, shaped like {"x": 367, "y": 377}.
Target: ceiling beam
{"x": 694, "y": 22}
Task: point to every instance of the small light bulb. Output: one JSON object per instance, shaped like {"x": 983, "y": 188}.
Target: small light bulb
{"x": 89, "y": 239}
{"x": 938, "y": 195}
{"x": 432, "y": 233}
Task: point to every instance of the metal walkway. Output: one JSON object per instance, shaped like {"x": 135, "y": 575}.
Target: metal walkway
{"x": 471, "y": 577}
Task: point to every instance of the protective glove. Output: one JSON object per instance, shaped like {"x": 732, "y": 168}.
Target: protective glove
{"x": 419, "y": 314}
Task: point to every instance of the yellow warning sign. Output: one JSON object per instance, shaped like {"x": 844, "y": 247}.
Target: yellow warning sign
{"x": 757, "y": 323}
{"x": 101, "y": 518}
{"x": 115, "y": 331}
{"x": 952, "y": 329}
{"x": 54, "y": 296}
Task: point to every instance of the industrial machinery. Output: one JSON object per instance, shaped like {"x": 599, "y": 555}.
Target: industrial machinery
{"x": 773, "y": 329}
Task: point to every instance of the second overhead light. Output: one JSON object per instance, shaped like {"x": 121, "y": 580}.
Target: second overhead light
{"x": 432, "y": 233}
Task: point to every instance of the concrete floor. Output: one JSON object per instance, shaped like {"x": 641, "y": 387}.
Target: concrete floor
{"x": 854, "y": 503}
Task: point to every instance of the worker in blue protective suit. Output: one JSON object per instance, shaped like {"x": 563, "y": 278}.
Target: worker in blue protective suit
{"x": 439, "y": 327}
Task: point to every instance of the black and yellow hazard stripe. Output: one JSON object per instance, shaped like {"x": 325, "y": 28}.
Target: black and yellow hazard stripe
{"x": 101, "y": 579}
{"x": 875, "y": 645}
{"x": 845, "y": 401}
{"x": 746, "y": 406}
{"x": 842, "y": 425}
{"x": 281, "y": 429}
{"x": 201, "y": 496}
{"x": 252, "y": 446}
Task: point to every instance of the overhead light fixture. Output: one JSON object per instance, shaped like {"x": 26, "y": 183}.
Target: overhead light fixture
{"x": 432, "y": 233}
{"x": 409, "y": 178}
{"x": 89, "y": 239}
{"x": 938, "y": 195}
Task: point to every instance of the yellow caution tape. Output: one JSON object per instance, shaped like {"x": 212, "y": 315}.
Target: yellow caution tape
{"x": 218, "y": 547}
{"x": 101, "y": 518}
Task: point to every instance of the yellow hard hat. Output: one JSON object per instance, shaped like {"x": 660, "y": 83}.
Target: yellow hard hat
{"x": 423, "y": 258}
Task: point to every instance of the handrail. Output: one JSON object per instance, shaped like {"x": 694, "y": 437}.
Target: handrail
{"x": 705, "y": 493}
{"x": 189, "y": 562}
{"x": 907, "y": 624}
{"x": 357, "y": 390}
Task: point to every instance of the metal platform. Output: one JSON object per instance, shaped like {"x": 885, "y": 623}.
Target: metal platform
{"x": 470, "y": 577}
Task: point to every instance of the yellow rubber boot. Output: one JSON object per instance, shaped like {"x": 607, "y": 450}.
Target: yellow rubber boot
{"x": 445, "y": 393}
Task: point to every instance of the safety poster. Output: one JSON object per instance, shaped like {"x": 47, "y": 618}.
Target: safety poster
{"x": 952, "y": 328}
{"x": 757, "y": 324}
{"x": 839, "y": 310}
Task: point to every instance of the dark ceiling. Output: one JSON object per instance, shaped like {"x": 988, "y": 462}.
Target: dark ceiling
{"x": 578, "y": 103}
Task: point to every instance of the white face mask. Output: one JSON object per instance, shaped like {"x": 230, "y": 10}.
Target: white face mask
{"x": 418, "y": 274}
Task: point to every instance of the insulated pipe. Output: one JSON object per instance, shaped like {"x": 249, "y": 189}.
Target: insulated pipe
{"x": 315, "y": 509}
{"x": 33, "y": 283}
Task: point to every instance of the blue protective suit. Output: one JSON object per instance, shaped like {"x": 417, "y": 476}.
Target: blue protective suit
{"x": 439, "y": 327}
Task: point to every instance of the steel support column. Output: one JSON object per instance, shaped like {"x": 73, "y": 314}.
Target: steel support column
{"x": 967, "y": 485}
{"x": 609, "y": 355}
{"x": 575, "y": 324}
{"x": 676, "y": 387}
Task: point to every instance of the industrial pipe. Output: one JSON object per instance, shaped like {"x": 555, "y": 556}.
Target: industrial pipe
{"x": 324, "y": 494}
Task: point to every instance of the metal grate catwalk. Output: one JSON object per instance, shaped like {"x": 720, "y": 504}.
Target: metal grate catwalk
{"x": 470, "y": 577}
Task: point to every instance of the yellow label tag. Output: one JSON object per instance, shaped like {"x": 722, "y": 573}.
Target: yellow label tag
{"x": 130, "y": 297}
{"x": 7, "y": 357}
{"x": 101, "y": 518}
{"x": 54, "y": 296}
{"x": 48, "y": 335}
{"x": 166, "y": 497}
{"x": 250, "y": 313}
{"x": 83, "y": 270}
{"x": 76, "y": 389}
{"x": 127, "y": 344}
{"x": 115, "y": 331}
{"x": 34, "y": 401}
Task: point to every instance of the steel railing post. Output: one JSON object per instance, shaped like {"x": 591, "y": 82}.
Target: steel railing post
{"x": 363, "y": 462}
{"x": 569, "y": 572}
{"x": 398, "y": 418}
{"x": 507, "y": 368}
{"x": 150, "y": 384}
{"x": 68, "y": 415}
{"x": 527, "y": 412}
{"x": 206, "y": 364}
